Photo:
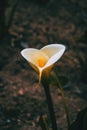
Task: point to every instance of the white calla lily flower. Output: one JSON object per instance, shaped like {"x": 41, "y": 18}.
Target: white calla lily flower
{"x": 44, "y": 58}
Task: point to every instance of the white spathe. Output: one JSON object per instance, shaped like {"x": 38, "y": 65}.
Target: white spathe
{"x": 43, "y": 58}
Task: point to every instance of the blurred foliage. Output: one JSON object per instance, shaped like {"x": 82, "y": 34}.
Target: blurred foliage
{"x": 83, "y": 62}
{"x": 81, "y": 121}
{"x": 4, "y": 25}
{"x": 42, "y": 1}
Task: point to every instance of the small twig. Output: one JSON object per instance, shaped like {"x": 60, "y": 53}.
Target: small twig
{"x": 43, "y": 122}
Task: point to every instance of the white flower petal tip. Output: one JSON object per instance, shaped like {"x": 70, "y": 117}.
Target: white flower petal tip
{"x": 43, "y": 58}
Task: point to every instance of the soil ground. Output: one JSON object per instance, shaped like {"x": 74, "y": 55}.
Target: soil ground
{"x": 36, "y": 24}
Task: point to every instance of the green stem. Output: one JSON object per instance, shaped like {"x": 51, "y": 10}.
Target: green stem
{"x": 50, "y": 105}
{"x": 64, "y": 100}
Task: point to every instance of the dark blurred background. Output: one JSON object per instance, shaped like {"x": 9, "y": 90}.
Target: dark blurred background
{"x": 36, "y": 23}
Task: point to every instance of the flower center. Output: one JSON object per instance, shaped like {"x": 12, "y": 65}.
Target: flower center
{"x": 41, "y": 62}
{"x": 38, "y": 58}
